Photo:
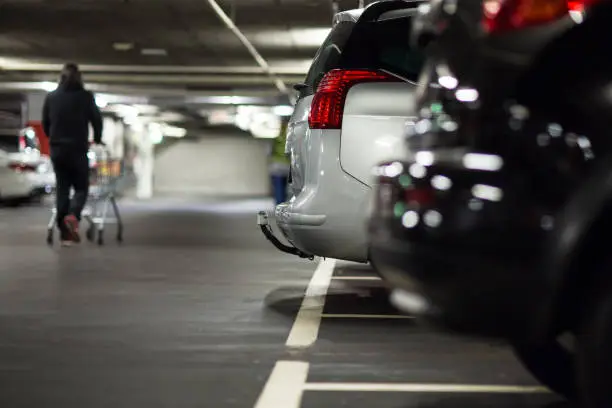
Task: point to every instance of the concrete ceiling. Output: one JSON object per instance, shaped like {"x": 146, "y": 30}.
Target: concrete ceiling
{"x": 120, "y": 41}
{"x": 173, "y": 51}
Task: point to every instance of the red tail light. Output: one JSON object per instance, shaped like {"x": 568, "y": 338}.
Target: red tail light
{"x": 507, "y": 15}
{"x": 22, "y": 167}
{"x": 328, "y": 103}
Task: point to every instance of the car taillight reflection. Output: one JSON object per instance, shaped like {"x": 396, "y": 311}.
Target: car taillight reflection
{"x": 22, "y": 167}
{"x": 508, "y": 15}
{"x": 419, "y": 197}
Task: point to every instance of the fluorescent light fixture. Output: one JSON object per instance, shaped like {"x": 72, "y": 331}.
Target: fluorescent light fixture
{"x": 101, "y": 101}
{"x": 486, "y": 192}
{"x": 156, "y": 133}
{"x": 230, "y": 100}
{"x": 410, "y": 219}
{"x": 123, "y": 46}
{"x": 296, "y": 37}
{"x": 309, "y": 37}
{"x": 485, "y": 162}
{"x": 126, "y": 111}
{"x": 440, "y": 182}
{"x": 425, "y": 158}
{"x": 448, "y": 81}
{"x": 158, "y": 52}
{"x": 467, "y": 95}
{"x": 283, "y": 110}
{"x": 173, "y": 131}
{"x": 393, "y": 170}
{"x": 265, "y": 126}
{"x": 48, "y": 86}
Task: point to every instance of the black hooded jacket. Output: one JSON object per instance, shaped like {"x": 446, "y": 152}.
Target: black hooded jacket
{"x": 67, "y": 113}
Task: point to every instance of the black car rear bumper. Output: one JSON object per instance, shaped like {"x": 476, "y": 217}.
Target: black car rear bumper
{"x": 466, "y": 291}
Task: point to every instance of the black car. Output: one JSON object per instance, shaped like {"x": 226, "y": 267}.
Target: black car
{"x": 496, "y": 226}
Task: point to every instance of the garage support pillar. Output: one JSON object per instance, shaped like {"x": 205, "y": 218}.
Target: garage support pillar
{"x": 145, "y": 162}
{"x": 34, "y": 105}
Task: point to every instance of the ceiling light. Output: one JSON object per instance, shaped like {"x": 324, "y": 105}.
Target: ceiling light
{"x": 123, "y": 46}
{"x": 283, "y": 110}
{"x": 101, "y": 101}
{"x": 48, "y": 86}
{"x": 160, "y": 52}
{"x": 174, "y": 131}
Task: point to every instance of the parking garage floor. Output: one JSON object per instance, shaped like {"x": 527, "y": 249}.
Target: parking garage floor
{"x": 196, "y": 309}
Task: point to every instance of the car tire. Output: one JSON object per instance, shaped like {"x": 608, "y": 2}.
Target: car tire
{"x": 551, "y": 364}
{"x": 594, "y": 355}
{"x": 375, "y": 269}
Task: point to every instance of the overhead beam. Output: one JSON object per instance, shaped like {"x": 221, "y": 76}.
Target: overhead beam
{"x": 13, "y": 66}
{"x": 144, "y": 91}
{"x": 186, "y": 80}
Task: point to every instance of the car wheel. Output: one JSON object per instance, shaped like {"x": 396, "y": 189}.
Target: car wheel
{"x": 594, "y": 354}
{"x": 552, "y": 364}
{"x": 375, "y": 268}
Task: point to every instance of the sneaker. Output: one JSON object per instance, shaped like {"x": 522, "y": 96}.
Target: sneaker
{"x": 67, "y": 243}
{"x": 72, "y": 227}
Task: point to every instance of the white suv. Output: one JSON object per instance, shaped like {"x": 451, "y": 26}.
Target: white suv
{"x": 351, "y": 114}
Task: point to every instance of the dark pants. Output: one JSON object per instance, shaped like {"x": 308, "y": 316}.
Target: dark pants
{"x": 279, "y": 185}
{"x": 71, "y": 171}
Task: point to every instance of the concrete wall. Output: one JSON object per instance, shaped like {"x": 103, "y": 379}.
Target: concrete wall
{"x": 215, "y": 165}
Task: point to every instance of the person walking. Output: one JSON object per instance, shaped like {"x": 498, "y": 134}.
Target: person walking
{"x": 279, "y": 167}
{"x": 67, "y": 113}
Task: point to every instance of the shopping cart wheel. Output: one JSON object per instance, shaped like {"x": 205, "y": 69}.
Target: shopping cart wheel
{"x": 101, "y": 237}
{"x": 50, "y": 237}
{"x": 91, "y": 233}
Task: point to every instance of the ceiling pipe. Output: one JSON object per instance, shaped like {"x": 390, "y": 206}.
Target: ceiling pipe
{"x": 184, "y": 80}
{"x": 249, "y": 46}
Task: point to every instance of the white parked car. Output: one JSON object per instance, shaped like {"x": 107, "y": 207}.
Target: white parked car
{"x": 37, "y": 169}
{"x": 15, "y": 183}
{"x": 351, "y": 114}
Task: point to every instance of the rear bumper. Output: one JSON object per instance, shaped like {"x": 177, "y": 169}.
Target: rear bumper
{"x": 339, "y": 233}
{"x": 15, "y": 186}
{"x": 465, "y": 292}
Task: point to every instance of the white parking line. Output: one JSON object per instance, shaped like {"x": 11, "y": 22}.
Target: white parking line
{"x": 285, "y": 386}
{"x": 357, "y": 278}
{"x": 425, "y": 388}
{"x": 287, "y": 383}
{"x": 306, "y": 325}
{"x": 364, "y": 316}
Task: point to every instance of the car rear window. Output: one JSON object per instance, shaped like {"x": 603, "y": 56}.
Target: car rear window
{"x": 328, "y": 56}
{"x": 384, "y": 45}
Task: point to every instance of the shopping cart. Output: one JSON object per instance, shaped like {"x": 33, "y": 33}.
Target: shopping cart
{"x": 104, "y": 175}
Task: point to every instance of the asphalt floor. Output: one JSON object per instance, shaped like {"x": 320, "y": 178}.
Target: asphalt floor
{"x": 196, "y": 309}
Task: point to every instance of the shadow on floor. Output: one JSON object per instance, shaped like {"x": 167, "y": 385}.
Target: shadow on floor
{"x": 477, "y": 401}
{"x": 341, "y": 298}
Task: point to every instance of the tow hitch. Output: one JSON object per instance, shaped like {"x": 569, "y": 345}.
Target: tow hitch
{"x": 264, "y": 224}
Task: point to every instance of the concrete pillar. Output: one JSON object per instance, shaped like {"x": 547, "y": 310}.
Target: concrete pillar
{"x": 34, "y": 105}
{"x": 145, "y": 161}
